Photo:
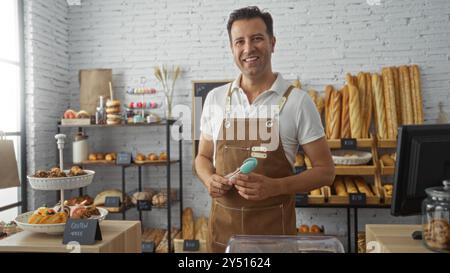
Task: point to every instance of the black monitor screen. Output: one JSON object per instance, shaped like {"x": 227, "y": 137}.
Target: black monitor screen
{"x": 423, "y": 161}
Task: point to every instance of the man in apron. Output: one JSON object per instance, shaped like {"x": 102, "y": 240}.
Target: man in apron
{"x": 258, "y": 115}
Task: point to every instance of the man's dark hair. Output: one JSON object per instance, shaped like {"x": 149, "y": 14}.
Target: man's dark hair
{"x": 249, "y": 13}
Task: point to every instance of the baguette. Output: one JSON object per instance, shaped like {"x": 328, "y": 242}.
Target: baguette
{"x": 378, "y": 98}
{"x": 417, "y": 94}
{"x": 349, "y": 79}
{"x": 188, "y": 224}
{"x": 362, "y": 101}
{"x": 328, "y": 92}
{"x": 389, "y": 97}
{"x": 163, "y": 247}
{"x": 349, "y": 185}
{"x": 345, "y": 114}
{"x": 369, "y": 104}
{"x": 362, "y": 186}
{"x": 339, "y": 186}
{"x": 397, "y": 82}
{"x": 335, "y": 115}
{"x": 316, "y": 192}
{"x": 355, "y": 112}
{"x": 201, "y": 228}
{"x": 407, "y": 100}
{"x": 387, "y": 160}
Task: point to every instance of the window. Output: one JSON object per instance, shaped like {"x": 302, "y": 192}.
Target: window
{"x": 11, "y": 95}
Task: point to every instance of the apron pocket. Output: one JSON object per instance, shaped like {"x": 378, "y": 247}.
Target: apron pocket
{"x": 225, "y": 222}
{"x": 264, "y": 220}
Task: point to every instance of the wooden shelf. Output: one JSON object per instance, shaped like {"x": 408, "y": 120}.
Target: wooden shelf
{"x": 160, "y": 123}
{"x": 133, "y": 164}
{"x": 360, "y": 143}
{"x": 386, "y": 170}
{"x": 387, "y": 143}
{"x": 354, "y": 170}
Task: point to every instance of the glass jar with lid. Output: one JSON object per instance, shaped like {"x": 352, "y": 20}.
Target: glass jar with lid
{"x": 436, "y": 218}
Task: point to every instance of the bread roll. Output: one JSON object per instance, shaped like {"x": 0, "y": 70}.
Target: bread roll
{"x": 328, "y": 92}
{"x": 362, "y": 186}
{"x": 407, "y": 100}
{"x": 188, "y": 224}
{"x": 316, "y": 192}
{"x": 396, "y": 74}
{"x": 389, "y": 97}
{"x": 387, "y": 160}
{"x": 345, "y": 114}
{"x": 339, "y": 186}
{"x": 416, "y": 94}
{"x": 369, "y": 105}
{"x": 378, "y": 98}
{"x": 355, "y": 112}
{"x": 335, "y": 115}
{"x": 349, "y": 185}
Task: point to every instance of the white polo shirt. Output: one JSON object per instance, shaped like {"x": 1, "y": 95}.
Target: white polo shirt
{"x": 299, "y": 120}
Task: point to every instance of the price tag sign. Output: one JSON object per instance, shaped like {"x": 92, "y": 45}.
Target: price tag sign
{"x": 191, "y": 245}
{"x": 123, "y": 158}
{"x": 300, "y": 169}
{"x": 82, "y": 231}
{"x": 301, "y": 199}
{"x": 357, "y": 198}
{"x": 112, "y": 202}
{"x": 148, "y": 247}
{"x": 144, "y": 205}
{"x": 348, "y": 143}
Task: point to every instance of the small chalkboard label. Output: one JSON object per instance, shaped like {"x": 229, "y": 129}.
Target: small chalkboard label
{"x": 348, "y": 143}
{"x": 148, "y": 247}
{"x": 191, "y": 245}
{"x": 82, "y": 231}
{"x": 357, "y": 198}
{"x": 112, "y": 202}
{"x": 123, "y": 158}
{"x": 144, "y": 205}
{"x": 299, "y": 169}
{"x": 301, "y": 199}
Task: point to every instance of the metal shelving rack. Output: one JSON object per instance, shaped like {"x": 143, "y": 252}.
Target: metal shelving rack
{"x": 167, "y": 124}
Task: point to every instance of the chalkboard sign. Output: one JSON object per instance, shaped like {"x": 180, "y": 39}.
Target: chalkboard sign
{"x": 112, "y": 202}
{"x": 199, "y": 91}
{"x": 148, "y": 247}
{"x": 357, "y": 198}
{"x": 348, "y": 143}
{"x": 191, "y": 245}
{"x": 82, "y": 231}
{"x": 123, "y": 158}
{"x": 301, "y": 199}
{"x": 144, "y": 205}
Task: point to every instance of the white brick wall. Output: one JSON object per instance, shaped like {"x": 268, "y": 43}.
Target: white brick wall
{"x": 46, "y": 75}
{"x": 317, "y": 41}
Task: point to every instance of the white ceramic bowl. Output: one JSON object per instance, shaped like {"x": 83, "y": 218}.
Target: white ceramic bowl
{"x": 61, "y": 183}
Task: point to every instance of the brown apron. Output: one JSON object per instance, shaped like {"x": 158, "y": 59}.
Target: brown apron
{"x": 232, "y": 214}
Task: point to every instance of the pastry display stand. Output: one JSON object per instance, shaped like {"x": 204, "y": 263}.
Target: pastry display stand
{"x": 373, "y": 169}
{"x": 168, "y": 163}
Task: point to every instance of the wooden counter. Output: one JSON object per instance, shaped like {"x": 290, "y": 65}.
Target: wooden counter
{"x": 393, "y": 239}
{"x": 118, "y": 236}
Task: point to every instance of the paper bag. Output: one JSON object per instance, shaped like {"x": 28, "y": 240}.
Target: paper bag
{"x": 93, "y": 84}
{"x": 9, "y": 175}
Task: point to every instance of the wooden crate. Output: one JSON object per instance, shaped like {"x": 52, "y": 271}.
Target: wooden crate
{"x": 386, "y": 170}
{"x": 317, "y": 199}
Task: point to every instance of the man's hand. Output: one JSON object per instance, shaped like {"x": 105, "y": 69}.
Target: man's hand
{"x": 217, "y": 185}
{"x": 255, "y": 186}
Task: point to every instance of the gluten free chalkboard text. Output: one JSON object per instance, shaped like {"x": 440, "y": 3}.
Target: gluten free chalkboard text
{"x": 82, "y": 231}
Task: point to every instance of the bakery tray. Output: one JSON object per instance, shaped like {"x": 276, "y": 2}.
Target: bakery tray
{"x": 61, "y": 183}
